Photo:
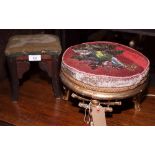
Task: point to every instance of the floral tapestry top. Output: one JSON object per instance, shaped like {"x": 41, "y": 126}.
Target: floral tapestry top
{"x": 105, "y": 58}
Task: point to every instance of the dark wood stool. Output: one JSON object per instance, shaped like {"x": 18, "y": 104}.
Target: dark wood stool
{"x": 21, "y": 49}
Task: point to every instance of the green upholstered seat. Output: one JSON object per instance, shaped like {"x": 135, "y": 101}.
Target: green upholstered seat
{"x": 33, "y": 44}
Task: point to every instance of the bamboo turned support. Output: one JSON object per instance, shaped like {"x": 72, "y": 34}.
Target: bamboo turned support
{"x": 96, "y": 111}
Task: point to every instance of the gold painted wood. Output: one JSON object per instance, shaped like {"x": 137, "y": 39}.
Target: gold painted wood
{"x": 96, "y": 111}
{"x": 101, "y": 95}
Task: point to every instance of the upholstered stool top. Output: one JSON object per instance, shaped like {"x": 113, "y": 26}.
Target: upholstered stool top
{"x": 36, "y": 43}
{"x": 105, "y": 65}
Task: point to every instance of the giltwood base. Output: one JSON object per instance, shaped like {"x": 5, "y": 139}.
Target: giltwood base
{"x": 96, "y": 111}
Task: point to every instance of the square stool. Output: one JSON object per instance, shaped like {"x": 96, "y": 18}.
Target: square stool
{"x": 44, "y": 48}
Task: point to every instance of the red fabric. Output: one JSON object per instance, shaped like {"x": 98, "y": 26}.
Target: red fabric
{"x": 128, "y": 57}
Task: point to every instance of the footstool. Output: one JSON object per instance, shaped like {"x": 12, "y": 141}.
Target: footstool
{"x": 22, "y": 49}
{"x": 100, "y": 74}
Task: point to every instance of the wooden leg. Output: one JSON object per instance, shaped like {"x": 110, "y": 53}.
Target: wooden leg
{"x": 51, "y": 66}
{"x": 137, "y": 102}
{"x": 66, "y": 95}
{"x": 14, "y": 77}
{"x": 55, "y": 77}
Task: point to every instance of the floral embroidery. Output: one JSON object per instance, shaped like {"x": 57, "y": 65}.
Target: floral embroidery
{"x": 100, "y": 55}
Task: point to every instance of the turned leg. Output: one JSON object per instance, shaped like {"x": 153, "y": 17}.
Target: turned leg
{"x": 12, "y": 66}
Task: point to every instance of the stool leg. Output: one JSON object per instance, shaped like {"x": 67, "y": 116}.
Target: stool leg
{"x": 66, "y": 95}
{"x": 137, "y": 102}
{"x": 14, "y": 78}
{"x": 55, "y": 77}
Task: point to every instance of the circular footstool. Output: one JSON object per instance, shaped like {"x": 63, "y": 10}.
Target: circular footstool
{"x": 97, "y": 71}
